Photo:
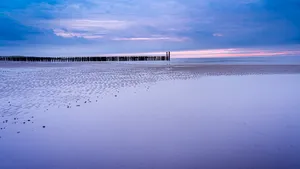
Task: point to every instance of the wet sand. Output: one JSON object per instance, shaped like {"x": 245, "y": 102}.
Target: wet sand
{"x": 91, "y": 116}
{"x": 58, "y": 84}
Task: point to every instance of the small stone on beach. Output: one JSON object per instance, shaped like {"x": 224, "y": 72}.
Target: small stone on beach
{"x": 44, "y": 126}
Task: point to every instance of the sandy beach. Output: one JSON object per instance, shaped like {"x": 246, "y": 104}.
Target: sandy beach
{"x": 136, "y": 116}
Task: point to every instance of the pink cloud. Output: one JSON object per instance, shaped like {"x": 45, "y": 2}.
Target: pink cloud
{"x": 231, "y": 52}
{"x": 237, "y": 52}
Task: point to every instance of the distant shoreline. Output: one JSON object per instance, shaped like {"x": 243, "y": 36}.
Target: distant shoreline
{"x": 194, "y": 68}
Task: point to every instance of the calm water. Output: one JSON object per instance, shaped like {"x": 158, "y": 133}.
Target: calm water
{"x": 234, "y": 122}
{"x": 242, "y": 60}
{"x": 211, "y": 123}
{"x": 273, "y": 60}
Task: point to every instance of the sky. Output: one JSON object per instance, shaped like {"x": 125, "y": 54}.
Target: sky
{"x": 187, "y": 28}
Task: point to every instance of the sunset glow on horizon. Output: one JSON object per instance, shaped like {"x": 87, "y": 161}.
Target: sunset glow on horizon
{"x": 217, "y": 53}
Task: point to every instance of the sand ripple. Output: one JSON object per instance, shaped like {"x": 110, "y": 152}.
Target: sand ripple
{"x": 24, "y": 87}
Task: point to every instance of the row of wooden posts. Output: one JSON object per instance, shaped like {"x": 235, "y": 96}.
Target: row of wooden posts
{"x": 86, "y": 58}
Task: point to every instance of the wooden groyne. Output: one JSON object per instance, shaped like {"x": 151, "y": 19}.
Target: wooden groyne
{"x": 86, "y": 58}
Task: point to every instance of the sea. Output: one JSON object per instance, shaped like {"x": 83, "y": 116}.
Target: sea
{"x": 254, "y": 60}
{"x": 241, "y": 60}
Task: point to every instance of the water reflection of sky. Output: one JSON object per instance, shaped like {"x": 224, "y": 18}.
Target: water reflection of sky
{"x": 213, "y": 122}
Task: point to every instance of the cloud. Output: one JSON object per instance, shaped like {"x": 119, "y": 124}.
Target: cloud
{"x": 231, "y": 52}
{"x": 151, "y": 39}
{"x": 151, "y": 24}
{"x": 140, "y": 19}
{"x": 89, "y": 24}
{"x": 218, "y": 34}
{"x": 66, "y": 34}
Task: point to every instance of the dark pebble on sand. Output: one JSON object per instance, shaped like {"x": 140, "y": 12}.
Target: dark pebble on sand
{"x": 85, "y": 102}
{"x": 32, "y": 117}
{"x": 18, "y": 132}
{"x": 115, "y": 95}
{"x": 23, "y": 122}
{"x": 44, "y": 126}
{"x": 28, "y": 120}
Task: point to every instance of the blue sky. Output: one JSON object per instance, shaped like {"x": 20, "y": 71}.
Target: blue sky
{"x": 94, "y": 27}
